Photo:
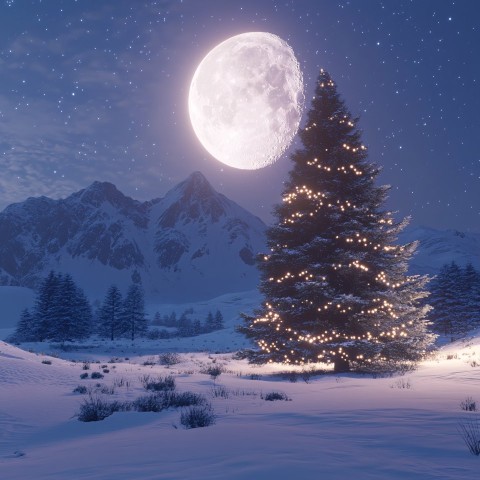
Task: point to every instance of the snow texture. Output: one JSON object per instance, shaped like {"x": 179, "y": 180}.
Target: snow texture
{"x": 335, "y": 427}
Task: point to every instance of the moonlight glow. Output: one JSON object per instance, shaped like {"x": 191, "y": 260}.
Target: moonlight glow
{"x": 246, "y": 100}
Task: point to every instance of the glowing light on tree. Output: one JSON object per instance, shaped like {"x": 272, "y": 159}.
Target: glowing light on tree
{"x": 335, "y": 282}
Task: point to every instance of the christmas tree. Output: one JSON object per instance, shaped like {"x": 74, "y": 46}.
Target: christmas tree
{"x": 335, "y": 283}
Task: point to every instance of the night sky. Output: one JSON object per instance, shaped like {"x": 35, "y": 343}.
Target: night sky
{"x": 98, "y": 90}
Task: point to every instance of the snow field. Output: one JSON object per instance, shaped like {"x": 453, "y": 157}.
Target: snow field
{"x": 332, "y": 427}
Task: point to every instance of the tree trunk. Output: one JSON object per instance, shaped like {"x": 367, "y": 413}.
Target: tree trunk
{"x": 340, "y": 365}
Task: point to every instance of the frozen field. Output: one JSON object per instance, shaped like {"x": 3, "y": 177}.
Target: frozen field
{"x": 333, "y": 427}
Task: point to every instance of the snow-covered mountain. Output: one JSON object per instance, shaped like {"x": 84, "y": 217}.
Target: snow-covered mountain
{"x": 438, "y": 247}
{"x": 194, "y": 243}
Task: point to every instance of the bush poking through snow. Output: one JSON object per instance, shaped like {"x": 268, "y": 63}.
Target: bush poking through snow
{"x": 214, "y": 371}
{"x": 47, "y": 362}
{"x": 184, "y": 399}
{"x": 96, "y": 375}
{"x": 198, "y": 417}
{"x": 121, "y": 382}
{"x": 469, "y": 405}
{"x": 168, "y": 359}
{"x": 149, "y": 403}
{"x": 81, "y": 389}
{"x": 95, "y": 408}
{"x": 156, "y": 402}
{"x": 149, "y": 361}
{"x": 159, "y": 384}
{"x": 272, "y": 396}
{"x": 220, "y": 391}
{"x": 83, "y": 376}
{"x": 470, "y": 432}
{"x": 402, "y": 383}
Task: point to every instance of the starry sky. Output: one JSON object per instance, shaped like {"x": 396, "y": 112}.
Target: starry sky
{"x": 98, "y": 90}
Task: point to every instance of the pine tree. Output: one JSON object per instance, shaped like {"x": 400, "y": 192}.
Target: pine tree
{"x": 109, "y": 316}
{"x": 196, "y": 327}
{"x": 185, "y": 326}
{"x": 334, "y": 282}
{"x": 25, "y": 331}
{"x": 218, "y": 320}
{"x": 44, "y": 313}
{"x": 133, "y": 312}
{"x": 83, "y": 315}
{"x": 209, "y": 325}
{"x": 72, "y": 315}
{"x": 471, "y": 294}
{"x": 455, "y": 300}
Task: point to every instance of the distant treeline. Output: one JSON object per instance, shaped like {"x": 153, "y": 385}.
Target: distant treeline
{"x": 62, "y": 312}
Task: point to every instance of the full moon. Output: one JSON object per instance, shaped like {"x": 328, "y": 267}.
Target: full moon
{"x": 246, "y": 100}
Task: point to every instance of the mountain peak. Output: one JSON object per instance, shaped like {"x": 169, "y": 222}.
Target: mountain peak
{"x": 192, "y": 200}
{"x": 99, "y": 192}
{"x": 197, "y": 185}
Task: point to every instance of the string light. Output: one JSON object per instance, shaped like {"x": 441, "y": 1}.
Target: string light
{"x": 373, "y": 318}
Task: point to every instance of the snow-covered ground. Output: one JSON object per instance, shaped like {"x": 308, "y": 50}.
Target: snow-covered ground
{"x": 333, "y": 427}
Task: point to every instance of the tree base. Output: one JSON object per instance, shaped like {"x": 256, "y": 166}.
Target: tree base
{"x": 340, "y": 365}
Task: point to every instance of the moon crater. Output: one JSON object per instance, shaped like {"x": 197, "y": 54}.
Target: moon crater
{"x": 246, "y": 100}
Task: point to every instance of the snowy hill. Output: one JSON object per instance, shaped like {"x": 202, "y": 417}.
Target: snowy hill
{"x": 333, "y": 427}
{"x": 194, "y": 243}
{"x": 438, "y": 247}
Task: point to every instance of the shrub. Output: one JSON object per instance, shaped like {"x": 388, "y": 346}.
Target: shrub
{"x": 106, "y": 370}
{"x": 47, "y": 362}
{"x": 198, "y": 417}
{"x": 469, "y": 405}
{"x": 94, "y": 409}
{"x": 82, "y": 389}
{"x": 84, "y": 375}
{"x": 149, "y": 361}
{"x": 290, "y": 376}
{"x": 214, "y": 371}
{"x": 149, "y": 403}
{"x": 159, "y": 384}
{"x": 184, "y": 399}
{"x": 156, "y": 402}
{"x": 105, "y": 389}
{"x": 220, "y": 391}
{"x": 96, "y": 375}
{"x": 470, "y": 432}
{"x": 272, "y": 396}
{"x": 168, "y": 358}
{"x": 121, "y": 382}
{"x": 402, "y": 383}
{"x": 157, "y": 334}
{"x": 86, "y": 366}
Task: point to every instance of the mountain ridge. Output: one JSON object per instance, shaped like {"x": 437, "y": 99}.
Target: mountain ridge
{"x": 191, "y": 244}
{"x": 175, "y": 245}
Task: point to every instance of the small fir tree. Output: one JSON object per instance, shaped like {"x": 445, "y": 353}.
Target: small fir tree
{"x": 209, "y": 325}
{"x": 456, "y": 300}
{"x": 133, "y": 312}
{"x": 218, "y": 320}
{"x": 334, "y": 282}
{"x": 471, "y": 294}
{"x": 109, "y": 316}
{"x": 25, "y": 331}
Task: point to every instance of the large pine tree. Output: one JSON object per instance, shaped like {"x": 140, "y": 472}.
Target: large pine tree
{"x": 72, "y": 312}
{"x": 335, "y": 282}
{"x": 44, "y": 311}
